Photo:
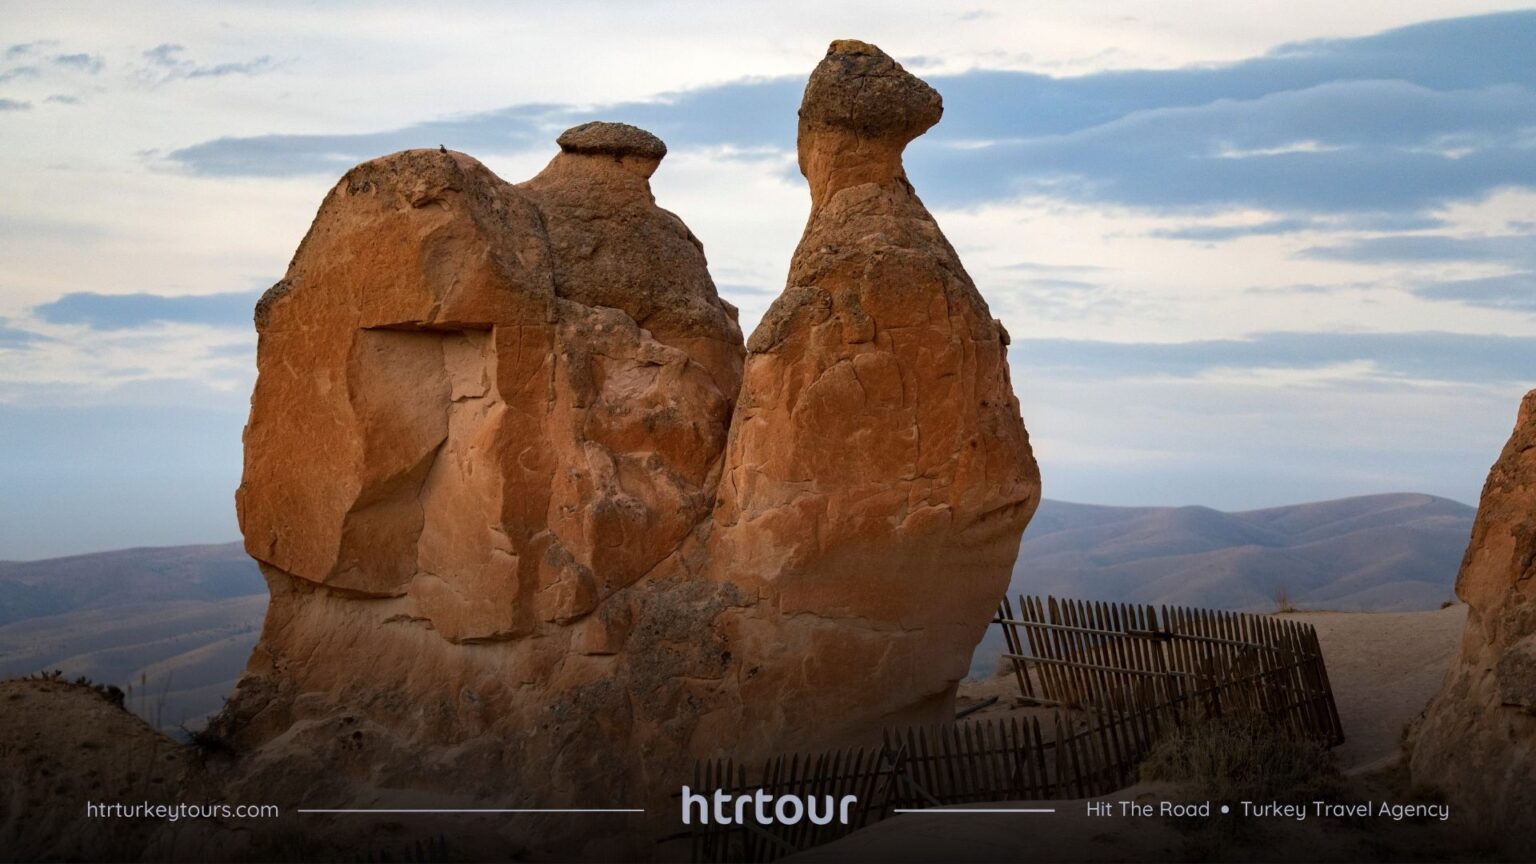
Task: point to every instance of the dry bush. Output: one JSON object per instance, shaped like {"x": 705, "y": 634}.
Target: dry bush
{"x": 1283, "y": 604}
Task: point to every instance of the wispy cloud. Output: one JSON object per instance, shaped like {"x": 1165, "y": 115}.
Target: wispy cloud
{"x": 24, "y": 49}
{"x": 1215, "y": 233}
{"x": 1419, "y": 356}
{"x": 1515, "y": 292}
{"x": 1384, "y": 126}
{"x": 13, "y": 337}
{"x": 1425, "y": 248}
{"x": 1039, "y": 267}
{"x": 14, "y": 105}
{"x": 125, "y": 311}
{"x": 87, "y": 63}
{"x": 166, "y": 62}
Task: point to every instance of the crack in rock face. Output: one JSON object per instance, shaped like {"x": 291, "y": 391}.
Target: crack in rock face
{"x": 519, "y": 419}
{"x": 1477, "y": 740}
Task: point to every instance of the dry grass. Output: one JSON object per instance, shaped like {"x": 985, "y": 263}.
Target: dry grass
{"x": 1243, "y": 758}
{"x": 1233, "y": 759}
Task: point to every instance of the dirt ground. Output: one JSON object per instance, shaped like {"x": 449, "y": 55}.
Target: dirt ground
{"x": 1384, "y": 667}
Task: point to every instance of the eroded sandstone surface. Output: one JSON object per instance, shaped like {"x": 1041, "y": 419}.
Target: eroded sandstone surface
{"x": 1477, "y": 740}
{"x": 539, "y": 529}
{"x": 877, "y": 477}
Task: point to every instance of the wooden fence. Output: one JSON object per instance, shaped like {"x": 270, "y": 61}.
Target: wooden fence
{"x": 1196, "y": 663}
{"x": 1119, "y": 677}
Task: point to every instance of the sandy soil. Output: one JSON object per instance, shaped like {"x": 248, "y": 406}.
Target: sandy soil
{"x": 1384, "y": 667}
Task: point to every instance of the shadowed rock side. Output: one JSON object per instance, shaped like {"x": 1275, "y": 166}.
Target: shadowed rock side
{"x": 1477, "y": 740}
{"x": 484, "y": 480}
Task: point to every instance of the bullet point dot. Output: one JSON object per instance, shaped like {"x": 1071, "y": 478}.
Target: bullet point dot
{"x": 1226, "y": 809}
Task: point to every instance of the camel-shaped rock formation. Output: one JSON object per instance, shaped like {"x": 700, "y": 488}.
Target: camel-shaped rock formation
{"x": 539, "y": 529}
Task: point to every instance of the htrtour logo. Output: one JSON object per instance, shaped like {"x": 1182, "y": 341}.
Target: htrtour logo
{"x": 786, "y": 809}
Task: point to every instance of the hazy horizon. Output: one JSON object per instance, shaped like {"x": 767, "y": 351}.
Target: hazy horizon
{"x": 1047, "y": 500}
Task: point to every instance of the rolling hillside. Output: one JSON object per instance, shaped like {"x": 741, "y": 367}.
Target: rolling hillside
{"x": 178, "y": 623}
{"x": 172, "y": 625}
{"x": 29, "y": 589}
{"x": 1378, "y": 553}
{"x": 1386, "y": 553}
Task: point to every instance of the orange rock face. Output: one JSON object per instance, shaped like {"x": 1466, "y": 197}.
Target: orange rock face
{"x": 1477, "y": 741}
{"x": 877, "y": 478}
{"x": 538, "y": 529}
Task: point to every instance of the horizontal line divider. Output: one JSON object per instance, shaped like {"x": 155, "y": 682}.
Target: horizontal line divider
{"x": 366, "y": 810}
{"x": 974, "y": 810}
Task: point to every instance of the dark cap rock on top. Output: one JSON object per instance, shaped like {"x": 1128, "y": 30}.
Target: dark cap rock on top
{"x": 600, "y": 138}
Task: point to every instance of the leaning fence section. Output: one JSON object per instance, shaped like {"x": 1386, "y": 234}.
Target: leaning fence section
{"x": 1192, "y": 663}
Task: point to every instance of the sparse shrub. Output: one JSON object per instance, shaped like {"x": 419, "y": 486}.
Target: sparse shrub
{"x": 151, "y": 705}
{"x": 207, "y": 742}
{"x": 1283, "y": 604}
{"x": 109, "y": 692}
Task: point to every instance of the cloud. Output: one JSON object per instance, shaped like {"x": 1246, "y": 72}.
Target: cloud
{"x": 1415, "y": 356}
{"x": 1515, "y": 292}
{"x": 23, "y": 49}
{"x": 1392, "y": 145}
{"x": 14, "y": 105}
{"x": 1212, "y": 233}
{"x": 1381, "y": 125}
{"x": 11, "y": 337}
{"x": 88, "y": 63}
{"x": 165, "y": 62}
{"x": 1309, "y": 288}
{"x": 127, "y": 311}
{"x": 1427, "y": 248}
{"x": 1038, "y": 267}
{"x": 743, "y": 116}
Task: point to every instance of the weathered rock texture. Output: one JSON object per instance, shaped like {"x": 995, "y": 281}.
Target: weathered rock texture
{"x": 534, "y": 533}
{"x": 1477, "y": 740}
{"x": 877, "y": 477}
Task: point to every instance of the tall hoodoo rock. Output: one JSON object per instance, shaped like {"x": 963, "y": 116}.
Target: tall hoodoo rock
{"x": 878, "y": 476}
{"x": 1477, "y": 740}
{"x": 533, "y": 531}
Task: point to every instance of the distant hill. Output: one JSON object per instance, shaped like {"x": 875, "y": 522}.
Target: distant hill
{"x": 178, "y": 623}
{"x": 175, "y": 624}
{"x": 102, "y": 580}
{"x": 1380, "y": 553}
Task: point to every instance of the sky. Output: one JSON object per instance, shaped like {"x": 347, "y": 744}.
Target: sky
{"x": 1249, "y": 254}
